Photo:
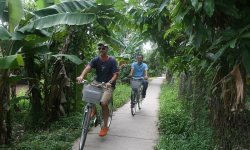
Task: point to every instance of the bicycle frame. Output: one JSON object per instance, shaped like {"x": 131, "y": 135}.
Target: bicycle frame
{"x": 87, "y": 118}
{"x": 136, "y": 89}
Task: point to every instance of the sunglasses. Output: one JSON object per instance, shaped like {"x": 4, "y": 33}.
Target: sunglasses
{"x": 101, "y": 48}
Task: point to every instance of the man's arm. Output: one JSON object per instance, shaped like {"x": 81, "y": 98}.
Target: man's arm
{"x": 131, "y": 72}
{"x": 114, "y": 78}
{"x": 146, "y": 74}
{"x": 84, "y": 73}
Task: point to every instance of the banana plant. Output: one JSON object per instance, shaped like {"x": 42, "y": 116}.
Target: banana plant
{"x": 24, "y": 36}
{"x": 9, "y": 62}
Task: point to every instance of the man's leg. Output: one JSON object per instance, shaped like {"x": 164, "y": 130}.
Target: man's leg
{"x": 105, "y": 113}
{"x": 105, "y": 110}
{"x": 145, "y": 86}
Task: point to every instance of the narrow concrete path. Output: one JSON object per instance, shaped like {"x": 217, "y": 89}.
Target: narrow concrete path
{"x": 128, "y": 132}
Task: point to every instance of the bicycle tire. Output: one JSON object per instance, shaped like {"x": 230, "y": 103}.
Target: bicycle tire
{"x": 85, "y": 126}
{"x": 111, "y": 109}
{"x": 139, "y": 101}
{"x": 133, "y": 102}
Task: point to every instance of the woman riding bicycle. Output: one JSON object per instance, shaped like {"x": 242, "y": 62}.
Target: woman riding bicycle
{"x": 138, "y": 70}
{"x": 107, "y": 72}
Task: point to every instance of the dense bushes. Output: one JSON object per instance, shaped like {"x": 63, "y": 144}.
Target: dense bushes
{"x": 178, "y": 130}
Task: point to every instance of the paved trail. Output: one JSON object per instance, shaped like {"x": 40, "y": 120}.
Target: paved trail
{"x": 128, "y": 132}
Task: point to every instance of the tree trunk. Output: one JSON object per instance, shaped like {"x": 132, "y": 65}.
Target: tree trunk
{"x": 34, "y": 91}
{"x": 5, "y": 124}
{"x": 56, "y": 98}
{"x": 182, "y": 84}
{"x": 53, "y": 98}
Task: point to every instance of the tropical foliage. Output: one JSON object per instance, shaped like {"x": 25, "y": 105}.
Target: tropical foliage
{"x": 206, "y": 41}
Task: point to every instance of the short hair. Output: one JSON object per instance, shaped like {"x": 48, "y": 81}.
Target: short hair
{"x": 139, "y": 55}
{"x": 102, "y": 44}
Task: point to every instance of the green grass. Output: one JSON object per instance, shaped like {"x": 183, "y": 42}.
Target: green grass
{"x": 178, "y": 131}
{"x": 60, "y": 135}
{"x": 121, "y": 95}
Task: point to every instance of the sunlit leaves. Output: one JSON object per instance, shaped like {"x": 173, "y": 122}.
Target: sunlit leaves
{"x": 40, "y": 4}
{"x": 16, "y": 12}
{"x": 120, "y": 5}
{"x": 105, "y": 2}
{"x": 65, "y": 7}
{"x": 59, "y": 19}
{"x": 163, "y": 5}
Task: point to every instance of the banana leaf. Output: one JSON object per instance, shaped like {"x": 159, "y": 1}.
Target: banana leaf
{"x": 4, "y": 34}
{"x": 59, "y": 19}
{"x": 11, "y": 62}
{"x": 72, "y": 58}
{"x": 16, "y": 12}
{"x": 64, "y": 7}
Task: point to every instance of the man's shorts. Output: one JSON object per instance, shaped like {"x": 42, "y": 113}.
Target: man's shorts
{"x": 107, "y": 94}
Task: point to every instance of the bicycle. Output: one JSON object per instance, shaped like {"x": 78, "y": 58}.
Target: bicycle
{"x": 92, "y": 94}
{"x": 136, "y": 89}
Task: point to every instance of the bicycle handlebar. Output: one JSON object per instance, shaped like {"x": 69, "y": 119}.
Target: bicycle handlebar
{"x": 101, "y": 85}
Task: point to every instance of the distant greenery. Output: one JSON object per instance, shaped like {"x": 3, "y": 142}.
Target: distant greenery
{"x": 60, "y": 134}
{"x": 178, "y": 130}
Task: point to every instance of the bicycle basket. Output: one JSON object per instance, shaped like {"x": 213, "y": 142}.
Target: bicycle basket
{"x": 92, "y": 94}
{"x": 135, "y": 84}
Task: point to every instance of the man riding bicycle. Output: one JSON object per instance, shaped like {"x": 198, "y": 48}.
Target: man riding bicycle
{"x": 107, "y": 72}
{"x": 139, "y": 70}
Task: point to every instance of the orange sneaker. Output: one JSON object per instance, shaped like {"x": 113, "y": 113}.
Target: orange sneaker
{"x": 103, "y": 131}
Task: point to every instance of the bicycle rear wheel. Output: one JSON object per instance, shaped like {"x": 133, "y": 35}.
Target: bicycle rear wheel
{"x": 133, "y": 102}
{"x": 85, "y": 126}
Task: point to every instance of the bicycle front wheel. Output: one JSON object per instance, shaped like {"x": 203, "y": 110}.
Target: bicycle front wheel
{"x": 111, "y": 108}
{"x": 133, "y": 102}
{"x": 85, "y": 125}
{"x": 139, "y": 101}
